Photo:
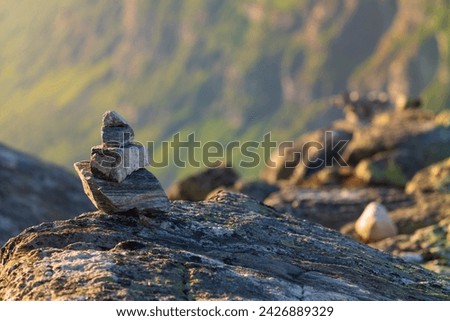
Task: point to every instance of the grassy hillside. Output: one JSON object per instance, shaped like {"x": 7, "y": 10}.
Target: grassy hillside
{"x": 222, "y": 69}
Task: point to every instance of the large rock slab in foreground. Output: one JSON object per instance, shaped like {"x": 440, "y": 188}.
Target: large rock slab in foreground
{"x": 230, "y": 247}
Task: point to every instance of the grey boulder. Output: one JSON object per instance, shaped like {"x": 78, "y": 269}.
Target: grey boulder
{"x": 196, "y": 187}
{"x": 228, "y": 248}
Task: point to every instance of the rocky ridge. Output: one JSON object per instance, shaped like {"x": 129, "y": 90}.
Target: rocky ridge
{"x": 229, "y": 247}
{"x": 384, "y": 146}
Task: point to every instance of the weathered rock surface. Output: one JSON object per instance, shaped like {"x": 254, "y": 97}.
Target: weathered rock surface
{"x": 387, "y": 148}
{"x": 388, "y": 168}
{"x": 320, "y": 154}
{"x": 398, "y": 148}
{"x": 32, "y": 191}
{"x": 428, "y": 245}
{"x": 435, "y": 178}
{"x": 285, "y": 158}
{"x": 229, "y": 248}
{"x": 141, "y": 192}
{"x": 117, "y": 136}
{"x": 334, "y": 176}
{"x": 374, "y": 224}
{"x": 258, "y": 190}
{"x": 197, "y": 186}
{"x": 443, "y": 118}
{"x": 116, "y": 132}
{"x": 305, "y": 157}
{"x": 427, "y": 209}
{"x": 334, "y": 207}
{"x": 421, "y": 225}
{"x": 339, "y": 208}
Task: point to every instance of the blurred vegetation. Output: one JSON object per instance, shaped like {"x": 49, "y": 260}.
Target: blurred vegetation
{"x": 222, "y": 69}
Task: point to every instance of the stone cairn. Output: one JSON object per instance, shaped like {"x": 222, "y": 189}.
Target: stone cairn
{"x": 115, "y": 179}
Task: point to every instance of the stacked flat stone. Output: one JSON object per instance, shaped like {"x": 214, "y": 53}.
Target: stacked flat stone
{"x": 118, "y": 156}
{"x": 114, "y": 178}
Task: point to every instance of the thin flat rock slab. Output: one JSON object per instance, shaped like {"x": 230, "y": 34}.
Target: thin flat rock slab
{"x": 140, "y": 191}
{"x": 116, "y": 163}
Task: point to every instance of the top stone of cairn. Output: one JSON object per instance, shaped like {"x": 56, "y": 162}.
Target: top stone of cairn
{"x": 116, "y": 132}
{"x": 113, "y": 119}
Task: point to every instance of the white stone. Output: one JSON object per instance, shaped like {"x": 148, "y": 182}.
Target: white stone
{"x": 374, "y": 224}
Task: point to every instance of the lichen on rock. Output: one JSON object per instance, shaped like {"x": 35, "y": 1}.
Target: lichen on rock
{"x": 230, "y": 247}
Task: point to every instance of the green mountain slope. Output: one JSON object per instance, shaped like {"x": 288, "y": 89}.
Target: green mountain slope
{"x": 222, "y": 69}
